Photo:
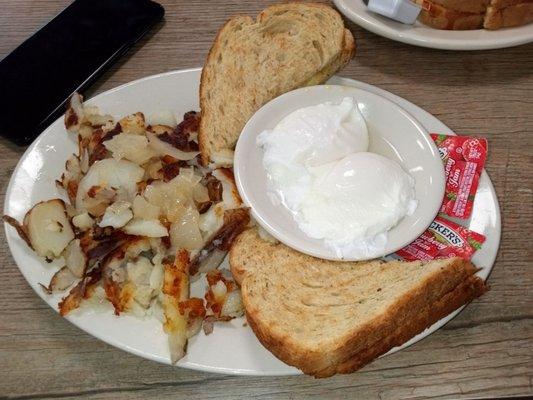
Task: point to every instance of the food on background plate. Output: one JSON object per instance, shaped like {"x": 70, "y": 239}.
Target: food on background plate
{"x": 508, "y": 13}
{"x": 251, "y": 62}
{"x": 475, "y": 14}
{"x": 142, "y": 219}
{"x": 320, "y": 169}
{"x": 453, "y": 14}
{"x": 327, "y": 317}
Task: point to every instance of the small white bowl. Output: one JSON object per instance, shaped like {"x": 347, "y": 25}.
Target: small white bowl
{"x": 393, "y": 132}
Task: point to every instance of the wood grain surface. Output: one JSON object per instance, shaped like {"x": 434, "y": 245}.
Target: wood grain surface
{"x": 486, "y": 352}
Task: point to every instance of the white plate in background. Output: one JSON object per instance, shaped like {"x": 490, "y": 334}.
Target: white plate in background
{"x": 425, "y": 36}
{"x": 232, "y": 348}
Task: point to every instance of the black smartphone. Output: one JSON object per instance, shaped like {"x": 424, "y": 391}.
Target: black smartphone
{"x": 65, "y": 56}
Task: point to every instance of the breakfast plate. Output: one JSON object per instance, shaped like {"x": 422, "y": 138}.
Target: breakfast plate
{"x": 424, "y": 36}
{"x": 232, "y": 348}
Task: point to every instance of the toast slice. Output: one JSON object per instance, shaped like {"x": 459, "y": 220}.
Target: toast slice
{"x": 508, "y": 13}
{"x": 475, "y": 14}
{"x": 468, "y": 6}
{"x": 500, "y": 4}
{"x": 328, "y": 317}
{"x": 440, "y": 17}
{"x": 251, "y": 62}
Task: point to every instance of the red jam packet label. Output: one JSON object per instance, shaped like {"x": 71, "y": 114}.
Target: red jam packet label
{"x": 463, "y": 158}
{"x": 443, "y": 239}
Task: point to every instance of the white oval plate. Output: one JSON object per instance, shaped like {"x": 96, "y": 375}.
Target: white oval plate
{"x": 424, "y": 36}
{"x": 232, "y": 348}
{"x": 408, "y": 143}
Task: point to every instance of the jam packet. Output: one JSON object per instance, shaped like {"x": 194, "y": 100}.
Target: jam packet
{"x": 443, "y": 239}
{"x": 464, "y": 158}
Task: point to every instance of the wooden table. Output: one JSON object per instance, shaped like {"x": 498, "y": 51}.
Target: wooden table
{"x": 487, "y": 351}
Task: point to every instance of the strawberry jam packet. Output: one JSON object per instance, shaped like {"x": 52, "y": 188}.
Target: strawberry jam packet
{"x": 464, "y": 158}
{"x": 443, "y": 239}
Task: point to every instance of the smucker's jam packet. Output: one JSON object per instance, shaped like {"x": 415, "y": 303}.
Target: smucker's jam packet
{"x": 443, "y": 239}
{"x": 463, "y": 158}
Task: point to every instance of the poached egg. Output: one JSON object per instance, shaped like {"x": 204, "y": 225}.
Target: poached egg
{"x": 319, "y": 167}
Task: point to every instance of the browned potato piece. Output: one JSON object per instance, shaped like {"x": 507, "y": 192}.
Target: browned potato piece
{"x": 74, "y": 115}
{"x": 163, "y": 148}
{"x": 48, "y": 228}
{"x": 133, "y": 123}
{"x": 75, "y": 258}
{"x": 230, "y": 195}
{"x": 61, "y": 280}
{"x": 176, "y": 290}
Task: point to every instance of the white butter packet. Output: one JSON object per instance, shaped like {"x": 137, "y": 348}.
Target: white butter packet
{"x": 404, "y": 11}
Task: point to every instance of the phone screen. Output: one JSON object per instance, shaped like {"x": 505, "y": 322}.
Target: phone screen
{"x": 65, "y": 56}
